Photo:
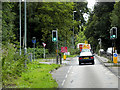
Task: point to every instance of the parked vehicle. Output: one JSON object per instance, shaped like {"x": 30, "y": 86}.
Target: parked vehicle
{"x": 109, "y": 51}
{"x": 86, "y": 56}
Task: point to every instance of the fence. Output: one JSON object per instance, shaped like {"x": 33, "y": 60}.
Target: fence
{"x": 48, "y": 58}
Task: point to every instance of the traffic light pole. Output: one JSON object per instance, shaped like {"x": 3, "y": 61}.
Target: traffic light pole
{"x": 113, "y": 36}
{"x": 57, "y": 48}
{"x": 55, "y": 39}
{"x": 57, "y": 54}
{"x": 112, "y": 50}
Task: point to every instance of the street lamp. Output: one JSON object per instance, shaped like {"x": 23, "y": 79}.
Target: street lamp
{"x": 20, "y": 23}
{"x": 100, "y": 42}
{"x": 25, "y": 27}
{"x": 73, "y": 28}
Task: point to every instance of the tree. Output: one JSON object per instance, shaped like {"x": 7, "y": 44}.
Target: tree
{"x": 115, "y": 20}
{"x": 8, "y": 17}
{"x": 80, "y": 38}
{"x": 99, "y": 25}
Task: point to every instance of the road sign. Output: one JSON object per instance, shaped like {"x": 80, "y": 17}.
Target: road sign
{"x": 33, "y": 41}
{"x": 115, "y": 58}
{"x": 44, "y": 44}
{"x": 63, "y": 49}
{"x": 115, "y": 55}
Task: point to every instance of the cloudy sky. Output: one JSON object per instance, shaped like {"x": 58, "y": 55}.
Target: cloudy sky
{"x": 91, "y": 6}
{"x": 91, "y": 3}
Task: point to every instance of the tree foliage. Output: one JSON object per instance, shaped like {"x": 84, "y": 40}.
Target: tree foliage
{"x": 115, "y": 20}
{"x": 99, "y": 24}
{"x": 8, "y": 17}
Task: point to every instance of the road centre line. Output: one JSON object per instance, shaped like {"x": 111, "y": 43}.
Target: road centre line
{"x": 66, "y": 75}
{"x": 69, "y": 69}
{"x": 63, "y": 82}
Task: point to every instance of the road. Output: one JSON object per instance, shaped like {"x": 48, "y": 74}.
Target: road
{"x": 72, "y": 75}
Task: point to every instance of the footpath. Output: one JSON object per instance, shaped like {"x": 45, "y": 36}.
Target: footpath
{"x": 114, "y": 68}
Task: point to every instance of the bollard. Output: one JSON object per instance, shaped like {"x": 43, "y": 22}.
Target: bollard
{"x": 64, "y": 57}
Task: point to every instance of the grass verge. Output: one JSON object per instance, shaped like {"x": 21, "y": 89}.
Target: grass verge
{"x": 36, "y": 76}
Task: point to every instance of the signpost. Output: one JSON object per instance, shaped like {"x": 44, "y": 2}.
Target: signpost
{"x": 63, "y": 50}
{"x": 44, "y": 48}
{"x": 34, "y": 41}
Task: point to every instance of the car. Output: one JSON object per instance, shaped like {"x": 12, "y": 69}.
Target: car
{"x": 86, "y": 56}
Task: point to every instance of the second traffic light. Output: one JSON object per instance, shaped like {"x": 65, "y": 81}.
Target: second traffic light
{"x": 113, "y": 33}
{"x": 54, "y": 36}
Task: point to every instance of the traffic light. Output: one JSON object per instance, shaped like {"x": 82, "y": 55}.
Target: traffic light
{"x": 113, "y": 33}
{"x": 54, "y": 36}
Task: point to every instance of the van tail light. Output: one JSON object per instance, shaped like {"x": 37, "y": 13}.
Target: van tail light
{"x": 80, "y": 58}
{"x": 91, "y": 57}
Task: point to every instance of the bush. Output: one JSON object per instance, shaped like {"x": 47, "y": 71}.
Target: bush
{"x": 12, "y": 63}
{"x": 38, "y": 52}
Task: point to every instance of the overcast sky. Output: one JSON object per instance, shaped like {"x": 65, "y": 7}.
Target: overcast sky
{"x": 91, "y": 6}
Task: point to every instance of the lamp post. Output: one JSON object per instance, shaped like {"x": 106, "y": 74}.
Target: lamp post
{"x": 73, "y": 29}
{"x": 20, "y": 23}
{"x": 25, "y": 49}
{"x": 100, "y": 42}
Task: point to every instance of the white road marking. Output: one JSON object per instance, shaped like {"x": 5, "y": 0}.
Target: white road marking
{"x": 66, "y": 75}
{"x": 63, "y": 82}
{"x": 69, "y": 69}
{"x": 111, "y": 74}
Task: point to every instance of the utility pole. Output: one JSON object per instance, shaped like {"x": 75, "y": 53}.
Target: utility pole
{"x": 73, "y": 29}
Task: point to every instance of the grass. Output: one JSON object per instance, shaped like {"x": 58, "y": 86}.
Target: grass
{"x": 109, "y": 61}
{"x": 115, "y": 66}
{"x": 36, "y": 76}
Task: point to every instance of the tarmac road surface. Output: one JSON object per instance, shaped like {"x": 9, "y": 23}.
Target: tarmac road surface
{"x": 73, "y": 75}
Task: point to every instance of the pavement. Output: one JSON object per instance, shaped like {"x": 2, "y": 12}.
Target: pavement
{"x": 111, "y": 66}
